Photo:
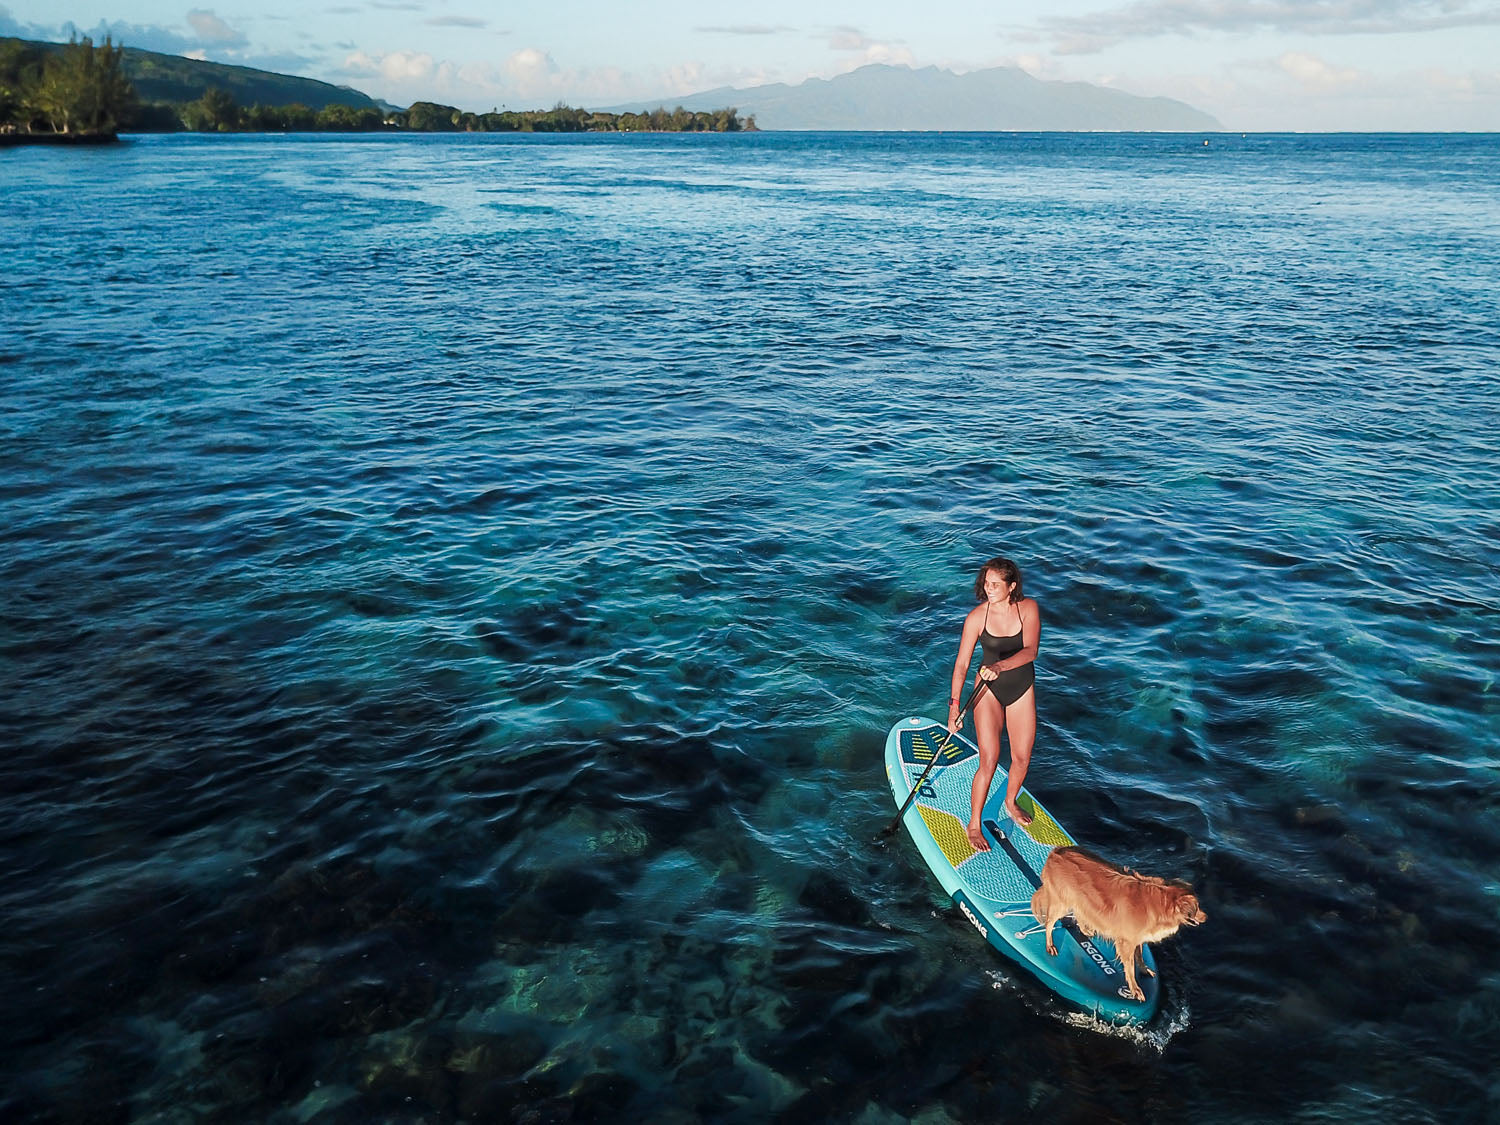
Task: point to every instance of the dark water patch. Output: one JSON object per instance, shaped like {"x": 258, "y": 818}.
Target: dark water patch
{"x": 554, "y": 629}
{"x": 766, "y": 548}
{"x": 374, "y": 605}
{"x": 1083, "y": 600}
{"x": 82, "y": 988}
{"x": 692, "y": 583}
{"x": 489, "y": 1069}
{"x": 549, "y": 908}
{"x": 502, "y": 499}
{"x": 250, "y": 1066}
{"x": 524, "y": 209}
{"x": 539, "y": 688}
{"x": 1182, "y": 742}
{"x": 1324, "y": 820}
{"x": 418, "y": 1076}
{"x": 669, "y": 783}
{"x": 1326, "y": 574}
{"x": 1448, "y": 688}
{"x": 501, "y": 644}
{"x": 95, "y": 1085}
{"x": 833, "y": 902}
{"x": 918, "y": 625}
{"x": 864, "y": 590}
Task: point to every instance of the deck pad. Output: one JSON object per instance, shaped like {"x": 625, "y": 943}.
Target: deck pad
{"x": 993, "y": 889}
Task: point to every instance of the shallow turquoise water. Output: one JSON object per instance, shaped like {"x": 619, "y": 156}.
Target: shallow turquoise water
{"x": 456, "y": 589}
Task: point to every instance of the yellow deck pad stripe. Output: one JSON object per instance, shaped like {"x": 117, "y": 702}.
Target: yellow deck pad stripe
{"x": 949, "y": 832}
{"x": 1043, "y": 829}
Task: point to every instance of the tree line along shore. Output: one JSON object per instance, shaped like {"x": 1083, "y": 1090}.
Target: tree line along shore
{"x": 78, "y": 92}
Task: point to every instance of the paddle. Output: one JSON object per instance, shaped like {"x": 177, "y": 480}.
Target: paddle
{"x": 912, "y": 796}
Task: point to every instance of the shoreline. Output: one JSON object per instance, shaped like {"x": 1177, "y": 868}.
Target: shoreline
{"x": 17, "y": 140}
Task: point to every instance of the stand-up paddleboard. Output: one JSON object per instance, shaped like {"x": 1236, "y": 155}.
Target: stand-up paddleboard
{"x": 993, "y": 889}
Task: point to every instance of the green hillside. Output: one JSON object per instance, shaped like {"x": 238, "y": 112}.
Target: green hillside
{"x": 171, "y": 78}
{"x": 82, "y": 92}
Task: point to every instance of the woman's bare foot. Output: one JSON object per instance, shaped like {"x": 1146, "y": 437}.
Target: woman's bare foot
{"x": 976, "y": 839}
{"x": 1013, "y": 811}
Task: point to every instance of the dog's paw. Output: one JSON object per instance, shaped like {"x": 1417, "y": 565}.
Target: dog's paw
{"x": 1051, "y": 949}
{"x": 1131, "y": 994}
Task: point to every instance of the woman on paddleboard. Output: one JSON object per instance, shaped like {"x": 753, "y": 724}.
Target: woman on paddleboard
{"x": 1007, "y": 627}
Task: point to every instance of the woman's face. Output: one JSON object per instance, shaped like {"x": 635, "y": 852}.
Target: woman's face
{"x": 996, "y": 588}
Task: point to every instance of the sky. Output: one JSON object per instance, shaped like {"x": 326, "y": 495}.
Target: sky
{"x": 1256, "y": 65}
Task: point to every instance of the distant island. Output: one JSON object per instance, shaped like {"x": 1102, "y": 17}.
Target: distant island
{"x": 80, "y": 93}
{"x": 886, "y": 98}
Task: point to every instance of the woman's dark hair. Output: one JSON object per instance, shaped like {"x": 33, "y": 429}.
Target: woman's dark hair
{"x": 1008, "y": 571}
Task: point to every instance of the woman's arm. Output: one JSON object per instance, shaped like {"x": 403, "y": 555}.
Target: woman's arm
{"x": 1031, "y": 636}
{"x": 973, "y": 623}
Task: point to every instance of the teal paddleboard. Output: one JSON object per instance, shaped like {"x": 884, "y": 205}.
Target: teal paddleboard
{"x": 993, "y": 889}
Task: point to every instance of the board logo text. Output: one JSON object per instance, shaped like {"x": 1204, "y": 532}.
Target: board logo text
{"x": 972, "y": 917}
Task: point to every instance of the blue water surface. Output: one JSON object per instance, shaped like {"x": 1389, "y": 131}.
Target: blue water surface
{"x": 455, "y": 590}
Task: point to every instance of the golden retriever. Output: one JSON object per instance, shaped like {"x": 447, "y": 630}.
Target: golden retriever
{"x": 1115, "y": 903}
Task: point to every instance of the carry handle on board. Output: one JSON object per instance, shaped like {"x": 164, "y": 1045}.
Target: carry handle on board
{"x": 912, "y": 796}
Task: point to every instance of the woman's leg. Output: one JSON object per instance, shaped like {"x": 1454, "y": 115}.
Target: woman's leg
{"x": 1020, "y": 717}
{"x": 989, "y": 721}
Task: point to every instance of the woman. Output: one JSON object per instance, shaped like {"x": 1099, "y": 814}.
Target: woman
{"x": 1007, "y": 627}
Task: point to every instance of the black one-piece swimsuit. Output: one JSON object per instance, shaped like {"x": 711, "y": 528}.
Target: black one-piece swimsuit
{"x": 1010, "y": 685}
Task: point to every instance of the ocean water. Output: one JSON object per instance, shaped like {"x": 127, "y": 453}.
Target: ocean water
{"x": 455, "y": 591}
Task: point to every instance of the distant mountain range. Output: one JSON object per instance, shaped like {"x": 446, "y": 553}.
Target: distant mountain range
{"x": 880, "y": 97}
{"x": 172, "y": 78}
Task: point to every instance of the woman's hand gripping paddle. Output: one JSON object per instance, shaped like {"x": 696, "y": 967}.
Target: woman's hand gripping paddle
{"x": 912, "y": 796}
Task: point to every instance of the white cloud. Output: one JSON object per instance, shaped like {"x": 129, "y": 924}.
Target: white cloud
{"x": 887, "y": 53}
{"x": 528, "y": 79}
{"x": 1149, "y": 18}
{"x": 1300, "y": 91}
{"x": 695, "y": 77}
{"x": 457, "y": 21}
{"x": 848, "y": 39}
{"x": 530, "y": 63}
{"x": 402, "y": 67}
{"x": 210, "y": 38}
{"x": 1038, "y": 66}
{"x": 688, "y": 78}
{"x": 862, "y": 50}
{"x": 1313, "y": 73}
{"x": 532, "y": 72}
{"x": 1474, "y": 85}
{"x": 746, "y": 29}
{"x": 214, "y": 32}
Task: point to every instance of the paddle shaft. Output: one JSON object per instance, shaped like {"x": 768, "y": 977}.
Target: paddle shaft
{"x": 912, "y": 796}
